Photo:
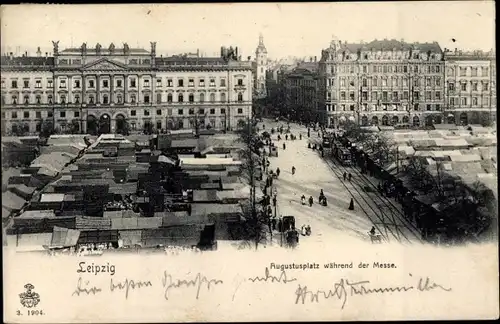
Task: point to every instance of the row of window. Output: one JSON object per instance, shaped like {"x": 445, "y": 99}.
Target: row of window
{"x": 388, "y": 81}
{"x": 365, "y": 107}
{"x": 105, "y": 99}
{"x": 470, "y": 71}
{"x": 386, "y": 68}
{"x": 465, "y": 86}
{"x": 474, "y": 101}
{"x": 91, "y": 84}
{"x": 133, "y": 113}
{"x": 386, "y": 95}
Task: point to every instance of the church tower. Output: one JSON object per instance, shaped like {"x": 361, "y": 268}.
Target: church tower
{"x": 261, "y": 64}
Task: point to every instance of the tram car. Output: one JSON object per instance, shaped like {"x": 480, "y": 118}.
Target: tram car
{"x": 344, "y": 156}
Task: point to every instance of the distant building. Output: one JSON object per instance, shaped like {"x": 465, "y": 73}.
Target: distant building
{"x": 301, "y": 92}
{"x": 383, "y": 82}
{"x": 101, "y": 90}
{"x": 470, "y": 87}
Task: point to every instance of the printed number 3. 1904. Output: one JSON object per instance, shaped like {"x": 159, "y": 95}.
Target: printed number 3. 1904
{"x": 31, "y": 313}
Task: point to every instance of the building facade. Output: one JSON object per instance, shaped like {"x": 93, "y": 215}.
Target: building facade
{"x": 384, "y": 82}
{"x": 260, "y": 69}
{"x": 301, "y": 92}
{"x": 470, "y": 87}
{"x": 97, "y": 90}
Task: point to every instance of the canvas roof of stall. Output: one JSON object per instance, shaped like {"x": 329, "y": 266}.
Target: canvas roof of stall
{"x": 61, "y": 140}
{"x": 451, "y": 142}
{"x": 30, "y": 242}
{"x": 209, "y": 161}
{"x": 64, "y": 237}
{"x": 445, "y": 126}
{"x": 184, "y": 142}
{"x": 52, "y": 197}
{"x": 23, "y": 188}
{"x": 465, "y": 157}
{"x": 38, "y": 214}
{"x": 205, "y": 195}
{"x": 5, "y": 212}
{"x": 12, "y": 201}
{"x": 8, "y": 173}
{"x": 213, "y": 209}
{"x": 240, "y": 193}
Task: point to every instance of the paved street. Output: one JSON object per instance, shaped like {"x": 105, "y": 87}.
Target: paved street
{"x": 334, "y": 222}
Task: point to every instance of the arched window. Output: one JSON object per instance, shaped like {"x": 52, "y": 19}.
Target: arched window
{"x": 26, "y": 100}
{"x": 105, "y": 99}
{"x": 212, "y": 97}
{"x": 223, "y": 97}
{"x": 133, "y": 98}
{"x": 191, "y": 97}
{"x": 38, "y": 99}
{"x": 202, "y": 97}
{"x": 169, "y": 97}
{"x": 180, "y": 98}
{"x": 119, "y": 98}
{"x": 63, "y": 99}
{"x": 91, "y": 99}
{"x": 49, "y": 99}
{"x": 240, "y": 97}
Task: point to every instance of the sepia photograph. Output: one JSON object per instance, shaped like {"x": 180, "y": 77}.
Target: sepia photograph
{"x": 249, "y": 162}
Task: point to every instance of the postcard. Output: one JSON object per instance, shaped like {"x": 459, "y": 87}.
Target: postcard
{"x": 249, "y": 162}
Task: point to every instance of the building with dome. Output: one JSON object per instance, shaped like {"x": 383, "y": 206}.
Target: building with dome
{"x": 105, "y": 89}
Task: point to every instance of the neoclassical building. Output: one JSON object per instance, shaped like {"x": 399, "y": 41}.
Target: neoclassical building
{"x": 101, "y": 89}
{"x": 384, "y": 82}
{"x": 470, "y": 87}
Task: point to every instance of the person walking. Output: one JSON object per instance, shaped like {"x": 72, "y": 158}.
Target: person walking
{"x": 311, "y": 200}
{"x": 278, "y": 171}
{"x": 300, "y": 136}
{"x": 286, "y": 137}
{"x": 303, "y": 200}
{"x": 274, "y": 200}
{"x": 345, "y": 175}
{"x": 284, "y": 146}
{"x": 293, "y": 170}
{"x": 351, "y": 204}
{"x": 349, "y": 176}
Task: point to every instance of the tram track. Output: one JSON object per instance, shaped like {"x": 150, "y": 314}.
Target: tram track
{"x": 384, "y": 234}
{"x": 389, "y": 204}
{"x": 384, "y": 211}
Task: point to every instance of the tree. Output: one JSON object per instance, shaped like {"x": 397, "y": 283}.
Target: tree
{"x": 47, "y": 128}
{"x": 256, "y": 222}
{"x": 74, "y": 127}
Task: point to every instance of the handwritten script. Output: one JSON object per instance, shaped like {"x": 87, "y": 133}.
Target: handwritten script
{"x": 267, "y": 277}
{"x": 343, "y": 288}
{"x": 198, "y": 281}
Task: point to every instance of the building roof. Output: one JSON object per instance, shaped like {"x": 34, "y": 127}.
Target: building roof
{"x": 12, "y": 201}
{"x": 27, "y": 61}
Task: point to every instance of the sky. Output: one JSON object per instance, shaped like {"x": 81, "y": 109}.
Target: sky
{"x": 289, "y": 29}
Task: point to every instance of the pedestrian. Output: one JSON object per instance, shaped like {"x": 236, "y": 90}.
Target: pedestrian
{"x": 286, "y": 137}
{"x": 274, "y": 200}
{"x": 349, "y": 176}
{"x": 351, "y": 204}
{"x": 278, "y": 171}
{"x": 284, "y": 146}
{"x": 273, "y": 223}
{"x": 300, "y": 136}
{"x": 303, "y": 200}
{"x": 345, "y": 175}
{"x": 280, "y": 225}
{"x": 372, "y": 231}
{"x": 311, "y": 200}
{"x": 293, "y": 170}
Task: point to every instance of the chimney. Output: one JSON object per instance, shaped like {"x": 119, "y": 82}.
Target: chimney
{"x": 198, "y": 52}
{"x": 456, "y": 50}
{"x": 46, "y": 54}
{"x": 315, "y": 59}
{"x": 26, "y": 53}
{"x": 11, "y": 55}
{"x": 38, "y": 52}
{"x": 249, "y": 57}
